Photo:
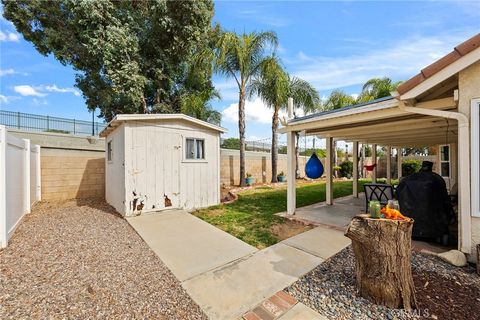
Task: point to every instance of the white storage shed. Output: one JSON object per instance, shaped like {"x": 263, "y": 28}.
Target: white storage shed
{"x": 161, "y": 161}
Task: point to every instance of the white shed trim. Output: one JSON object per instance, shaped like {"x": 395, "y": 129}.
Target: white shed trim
{"x": 147, "y": 117}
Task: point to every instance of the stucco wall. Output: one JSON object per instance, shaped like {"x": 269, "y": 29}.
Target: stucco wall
{"x": 469, "y": 88}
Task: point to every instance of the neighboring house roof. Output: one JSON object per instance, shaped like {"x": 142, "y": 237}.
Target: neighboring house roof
{"x": 335, "y": 112}
{"x": 458, "y": 52}
{"x": 156, "y": 117}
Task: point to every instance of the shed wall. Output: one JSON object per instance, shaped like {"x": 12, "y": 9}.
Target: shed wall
{"x": 115, "y": 170}
{"x": 156, "y": 167}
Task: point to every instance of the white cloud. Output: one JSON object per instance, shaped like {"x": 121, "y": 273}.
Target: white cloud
{"x": 9, "y": 36}
{"x": 7, "y": 72}
{"x": 42, "y": 90}
{"x": 26, "y": 90}
{"x": 255, "y": 110}
{"x": 54, "y": 88}
{"x": 7, "y": 99}
{"x": 39, "y": 102}
{"x": 399, "y": 60}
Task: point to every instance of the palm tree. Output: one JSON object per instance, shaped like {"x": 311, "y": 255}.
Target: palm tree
{"x": 274, "y": 86}
{"x": 338, "y": 99}
{"x": 239, "y": 56}
{"x": 377, "y": 88}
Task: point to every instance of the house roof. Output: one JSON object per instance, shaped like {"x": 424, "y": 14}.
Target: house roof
{"x": 120, "y": 118}
{"x": 458, "y": 52}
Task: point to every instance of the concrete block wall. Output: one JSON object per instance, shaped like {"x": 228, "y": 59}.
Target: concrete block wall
{"x": 72, "y": 174}
{"x": 72, "y": 167}
{"x": 256, "y": 163}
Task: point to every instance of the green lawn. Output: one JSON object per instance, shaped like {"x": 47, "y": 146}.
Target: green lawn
{"x": 251, "y": 218}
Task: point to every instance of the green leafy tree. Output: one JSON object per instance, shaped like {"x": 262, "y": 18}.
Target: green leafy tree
{"x": 377, "y": 88}
{"x": 130, "y": 56}
{"x": 239, "y": 56}
{"x": 231, "y": 143}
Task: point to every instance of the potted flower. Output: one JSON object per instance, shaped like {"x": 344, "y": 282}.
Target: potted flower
{"x": 249, "y": 179}
{"x": 281, "y": 177}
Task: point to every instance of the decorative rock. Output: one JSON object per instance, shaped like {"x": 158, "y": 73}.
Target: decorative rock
{"x": 454, "y": 257}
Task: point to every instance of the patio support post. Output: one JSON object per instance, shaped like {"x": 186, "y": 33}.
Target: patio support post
{"x": 374, "y": 161}
{"x": 291, "y": 165}
{"x": 355, "y": 169}
{"x": 328, "y": 171}
{"x": 389, "y": 165}
{"x": 399, "y": 162}
{"x": 291, "y": 176}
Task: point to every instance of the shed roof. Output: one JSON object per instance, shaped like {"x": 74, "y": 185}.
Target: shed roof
{"x": 120, "y": 118}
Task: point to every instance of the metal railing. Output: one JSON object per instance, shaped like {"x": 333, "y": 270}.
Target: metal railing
{"x": 35, "y": 122}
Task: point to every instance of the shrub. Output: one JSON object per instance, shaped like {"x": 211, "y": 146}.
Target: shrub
{"x": 410, "y": 166}
{"x": 346, "y": 169}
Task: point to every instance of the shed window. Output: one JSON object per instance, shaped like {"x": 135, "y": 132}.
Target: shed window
{"x": 195, "y": 149}
{"x": 109, "y": 151}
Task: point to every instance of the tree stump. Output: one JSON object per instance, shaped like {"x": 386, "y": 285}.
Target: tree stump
{"x": 383, "y": 253}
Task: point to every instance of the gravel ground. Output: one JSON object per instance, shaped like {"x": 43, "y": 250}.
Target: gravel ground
{"x": 442, "y": 291}
{"x": 72, "y": 261}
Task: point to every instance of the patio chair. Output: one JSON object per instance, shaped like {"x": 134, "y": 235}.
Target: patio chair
{"x": 377, "y": 191}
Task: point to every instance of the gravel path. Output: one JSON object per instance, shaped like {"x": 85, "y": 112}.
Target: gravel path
{"x": 74, "y": 261}
{"x": 442, "y": 291}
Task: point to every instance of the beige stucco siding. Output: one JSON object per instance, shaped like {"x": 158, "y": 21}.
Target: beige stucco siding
{"x": 469, "y": 88}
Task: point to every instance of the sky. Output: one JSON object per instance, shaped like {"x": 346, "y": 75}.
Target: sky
{"x": 333, "y": 45}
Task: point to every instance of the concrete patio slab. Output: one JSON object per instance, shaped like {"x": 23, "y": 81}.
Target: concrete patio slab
{"x": 339, "y": 214}
{"x": 187, "y": 245}
{"x": 230, "y": 291}
{"x": 302, "y": 312}
{"x": 322, "y": 242}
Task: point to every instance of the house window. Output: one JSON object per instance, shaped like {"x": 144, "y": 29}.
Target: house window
{"x": 195, "y": 149}
{"x": 109, "y": 151}
{"x": 445, "y": 161}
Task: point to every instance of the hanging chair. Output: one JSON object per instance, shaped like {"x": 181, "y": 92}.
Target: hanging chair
{"x": 370, "y": 167}
{"x": 314, "y": 167}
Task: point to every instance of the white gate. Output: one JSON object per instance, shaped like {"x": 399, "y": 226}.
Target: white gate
{"x": 16, "y": 170}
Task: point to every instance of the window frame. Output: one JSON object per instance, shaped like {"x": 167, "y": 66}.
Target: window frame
{"x": 110, "y": 151}
{"x": 449, "y": 161}
{"x": 195, "y": 159}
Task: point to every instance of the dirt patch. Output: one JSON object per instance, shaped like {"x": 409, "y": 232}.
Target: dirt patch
{"x": 289, "y": 229}
{"x": 434, "y": 293}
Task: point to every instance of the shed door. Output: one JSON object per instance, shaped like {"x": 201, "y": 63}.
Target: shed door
{"x": 168, "y": 158}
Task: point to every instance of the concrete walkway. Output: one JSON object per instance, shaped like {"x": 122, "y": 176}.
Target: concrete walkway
{"x": 226, "y": 276}
{"x": 187, "y": 245}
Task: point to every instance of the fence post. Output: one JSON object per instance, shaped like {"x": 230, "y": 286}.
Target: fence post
{"x": 38, "y": 187}
{"x": 18, "y": 120}
{"x": 26, "y": 176}
{"x": 48, "y": 123}
{"x": 3, "y": 190}
{"x": 73, "y": 126}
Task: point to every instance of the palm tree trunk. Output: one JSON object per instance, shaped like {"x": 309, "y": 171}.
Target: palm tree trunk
{"x": 274, "y": 144}
{"x": 297, "y": 155}
{"x": 241, "y": 129}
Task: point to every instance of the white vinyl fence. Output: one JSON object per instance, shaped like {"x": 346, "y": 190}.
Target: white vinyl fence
{"x": 19, "y": 181}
